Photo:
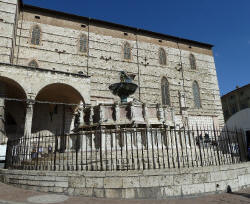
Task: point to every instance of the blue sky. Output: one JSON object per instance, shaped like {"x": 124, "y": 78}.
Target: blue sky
{"x": 223, "y": 23}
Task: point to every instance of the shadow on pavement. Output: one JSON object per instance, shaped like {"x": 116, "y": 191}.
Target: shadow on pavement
{"x": 246, "y": 195}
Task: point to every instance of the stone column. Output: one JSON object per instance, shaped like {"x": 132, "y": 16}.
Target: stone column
{"x": 3, "y": 138}
{"x": 2, "y": 121}
{"x": 28, "y": 117}
{"x": 82, "y": 113}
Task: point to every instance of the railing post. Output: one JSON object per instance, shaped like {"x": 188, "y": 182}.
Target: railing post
{"x": 229, "y": 145}
{"x": 177, "y": 150}
{"x": 199, "y": 144}
{"x": 37, "y": 152}
{"x": 240, "y": 147}
{"x": 101, "y": 149}
{"x": 216, "y": 143}
{"x": 166, "y": 140}
{"x": 55, "y": 149}
{"x": 9, "y": 154}
{"x": 76, "y": 149}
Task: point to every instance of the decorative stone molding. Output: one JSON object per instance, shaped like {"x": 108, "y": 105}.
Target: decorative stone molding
{"x": 128, "y": 113}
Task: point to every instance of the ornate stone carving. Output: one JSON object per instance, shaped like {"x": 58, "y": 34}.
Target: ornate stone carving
{"x": 91, "y": 118}
{"x": 79, "y": 115}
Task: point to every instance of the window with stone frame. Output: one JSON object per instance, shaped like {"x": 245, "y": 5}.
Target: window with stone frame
{"x": 192, "y": 61}
{"x": 127, "y": 51}
{"x": 196, "y": 94}
{"x": 165, "y": 92}
{"x": 83, "y": 43}
{"x": 162, "y": 57}
{"x": 33, "y": 63}
{"x": 36, "y": 35}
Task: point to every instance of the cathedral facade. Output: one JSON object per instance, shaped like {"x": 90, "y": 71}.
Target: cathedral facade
{"x": 50, "y": 62}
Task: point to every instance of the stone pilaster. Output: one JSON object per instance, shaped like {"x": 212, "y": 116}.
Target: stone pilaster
{"x": 101, "y": 112}
{"x": 145, "y": 113}
{"x": 132, "y": 112}
{"x": 160, "y": 113}
{"x": 117, "y": 112}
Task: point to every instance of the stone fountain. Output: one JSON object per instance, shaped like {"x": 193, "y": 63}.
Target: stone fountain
{"x": 124, "y": 88}
{"x": 124, "y": 114}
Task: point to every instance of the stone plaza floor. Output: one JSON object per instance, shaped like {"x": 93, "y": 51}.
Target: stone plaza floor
{"x": 14, "y": 195}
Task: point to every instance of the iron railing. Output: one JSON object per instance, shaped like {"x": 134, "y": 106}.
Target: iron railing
{"x": 127, "y": 149}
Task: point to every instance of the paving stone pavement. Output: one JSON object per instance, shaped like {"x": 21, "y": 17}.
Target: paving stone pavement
{"x": 13, "y": 195}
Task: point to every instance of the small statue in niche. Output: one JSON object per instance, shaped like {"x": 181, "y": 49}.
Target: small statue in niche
{"x": 78, "y": 116}
{"x": 77, "y": 119}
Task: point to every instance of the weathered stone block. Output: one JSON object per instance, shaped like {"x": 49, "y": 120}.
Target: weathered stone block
{"x": 113, "y": 193}
{"x": 193, "y": 189}
{"x": 172, "y": 190}
{"x": 94, "y": 182}
{"x": 131, "y": 182}
{"x": 209, "y": 187}
{"x": 166, "y": 180}
{"x": 183, "y": 179}
{"x": 76, "y": 182}
{"x": 201, "y": 178}
{"x": 149, "y": 192}
{"x": 128, "y": 193}
{"x": 149, "y": 181}
{"x": 70, "y": 191}
{"x": 86, "y": 192}
{"x": 113, "y": 182}
{"x": 65, "y": 179}
{"x": 58, "y": 190}
{"x": 99, "y": 193}
{"x": 62, "y": 184}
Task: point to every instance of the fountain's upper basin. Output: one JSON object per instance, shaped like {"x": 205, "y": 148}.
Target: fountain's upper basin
{"x": 123, "y": 89}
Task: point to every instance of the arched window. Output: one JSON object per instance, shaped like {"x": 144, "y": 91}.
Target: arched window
{"x": 192, "y": 61}
{"x": 196, "y": 93}
{"x": 127, "y": 51}
{"x": 162, "y": 57}
{"x": 36, "y": 35}
{"x": 165, "y": 91}
{"x": 33, "y": 63}
{"x": 83, "y": 43}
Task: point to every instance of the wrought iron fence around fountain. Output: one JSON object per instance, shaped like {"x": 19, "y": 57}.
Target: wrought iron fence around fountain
{"x": 127, "y": 149}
